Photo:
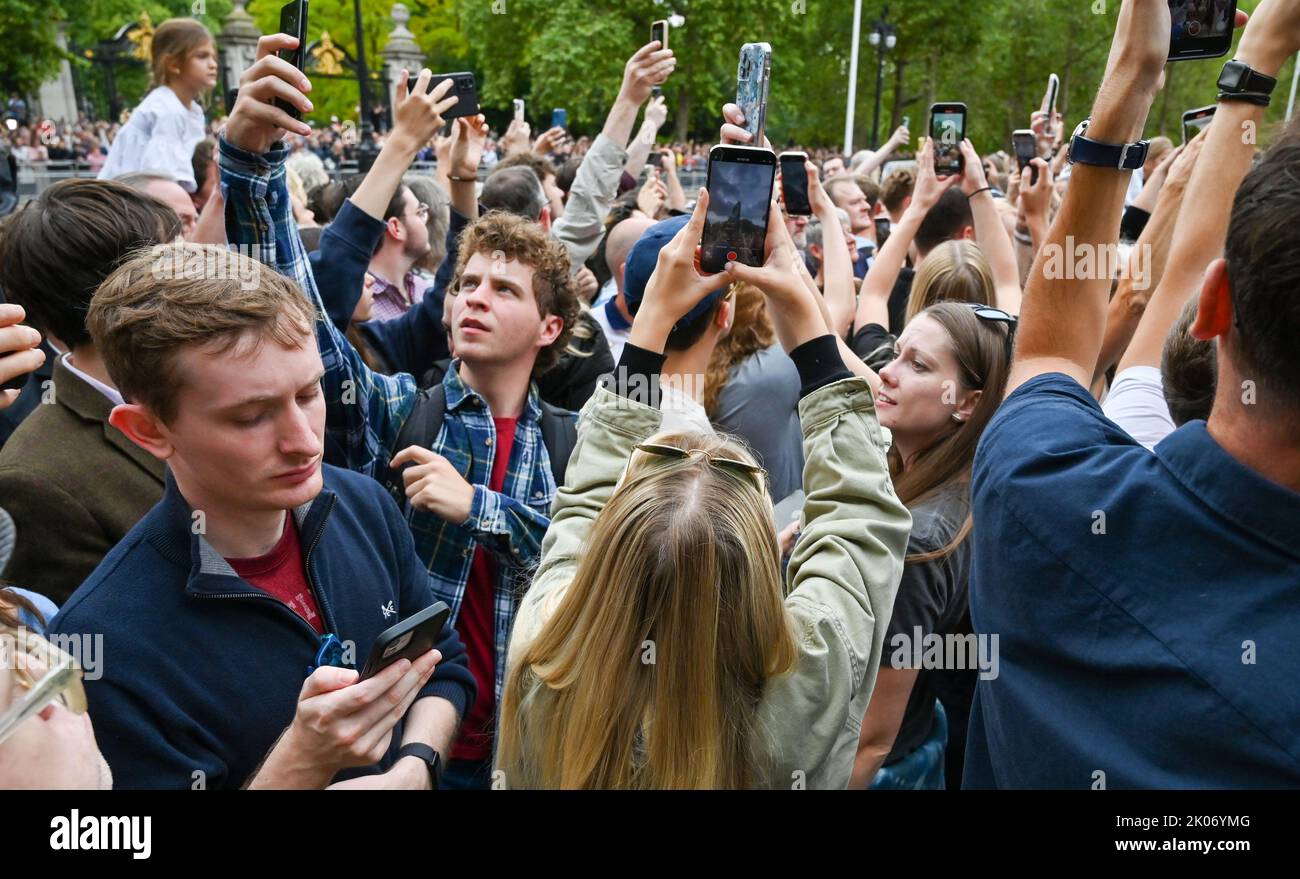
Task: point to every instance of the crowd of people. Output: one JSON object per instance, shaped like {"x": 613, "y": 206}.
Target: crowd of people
{"x": 986, "y": 479}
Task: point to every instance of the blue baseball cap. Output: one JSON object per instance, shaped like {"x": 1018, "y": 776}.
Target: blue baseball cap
{"x": 641, "y": 263}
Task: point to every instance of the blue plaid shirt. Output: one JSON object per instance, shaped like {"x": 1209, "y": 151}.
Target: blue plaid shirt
{"x": 366, "y": 411}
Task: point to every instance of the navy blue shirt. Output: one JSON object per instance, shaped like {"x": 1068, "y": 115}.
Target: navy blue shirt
{"x": 1147, "y": 605}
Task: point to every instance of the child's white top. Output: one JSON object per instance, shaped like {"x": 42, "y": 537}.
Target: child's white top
{"x": 160, "y": 136}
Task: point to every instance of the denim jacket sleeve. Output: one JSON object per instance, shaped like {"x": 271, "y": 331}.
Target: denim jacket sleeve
{"x": 364, "y": 410}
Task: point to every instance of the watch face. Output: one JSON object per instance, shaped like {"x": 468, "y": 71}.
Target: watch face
{"x": 1233, "y": 73}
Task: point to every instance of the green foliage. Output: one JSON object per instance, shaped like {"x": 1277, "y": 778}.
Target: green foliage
{"x": 994, "y": 56}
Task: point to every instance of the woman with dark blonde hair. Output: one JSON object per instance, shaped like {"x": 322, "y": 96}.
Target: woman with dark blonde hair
{"x": 658, "y": 646}
{"x": 164, "y": 130}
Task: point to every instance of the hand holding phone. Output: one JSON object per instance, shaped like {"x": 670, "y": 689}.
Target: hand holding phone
{"x": 659, "y": 33}
{"x": 410, "y": 639}
{"x": 463, "y": 88}
{"x": 794, "y": 184}
{"x": 1200, "y": 29}
{"x": 1025, "y": 146}
{"x": 752, "y": 79}
{"x": 739, "y": 184}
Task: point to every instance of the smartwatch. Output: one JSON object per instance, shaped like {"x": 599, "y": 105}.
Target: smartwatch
{"x": 1122, "y": 157}
{"x": 1240, "y": 82}
{"x": 432, "y": 759}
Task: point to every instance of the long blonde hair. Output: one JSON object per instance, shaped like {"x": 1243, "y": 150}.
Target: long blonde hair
{"x": 649, "y": 673}
{"x": 953, "y": 270}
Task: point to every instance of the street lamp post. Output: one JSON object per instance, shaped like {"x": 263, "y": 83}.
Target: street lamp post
{"x": 883, "y": 37}
{"x": 366, "y": 150}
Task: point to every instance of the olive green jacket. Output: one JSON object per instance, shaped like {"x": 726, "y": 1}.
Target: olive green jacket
{"x": 842, "y": 577}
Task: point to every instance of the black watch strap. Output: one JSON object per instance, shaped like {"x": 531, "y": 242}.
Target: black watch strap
{"x": 1121, "y": 156}
{"x": 432, "y": 759}
{"x": 1238, "y": 81}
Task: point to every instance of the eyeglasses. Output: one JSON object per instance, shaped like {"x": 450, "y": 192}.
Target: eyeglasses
{"x": 753, "y": 471}
{"x": 22, "y": 651}
{"x": 422, "y": 211}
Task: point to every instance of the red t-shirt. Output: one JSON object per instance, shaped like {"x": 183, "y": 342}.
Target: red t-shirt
{"x": 281, "y": 574}
{"x": 476, "y": 623}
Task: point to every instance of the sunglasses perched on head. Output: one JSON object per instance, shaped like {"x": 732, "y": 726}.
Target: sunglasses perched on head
{"x": 997, "y": 315}
{"x": 753, "y": 471}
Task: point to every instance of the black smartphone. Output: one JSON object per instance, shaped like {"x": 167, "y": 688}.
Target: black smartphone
{"x": 1026, "y": 149}
{"x": 1200, "y": 28}
{"x": 411, "y": 638}
{"x": 293, "y": 21}
{"x": 1196, "y": 120}
{"x": 659, "y": 31}
{"x": 794, "y": 184}
{"x": 740, "y": 181}
{"x": 463, "y": 87}
{"x": 752, "y": 78}
{"x": 882, "y": 232}
{"x": 948, "y": 130}
{"x": 559, "y": 118}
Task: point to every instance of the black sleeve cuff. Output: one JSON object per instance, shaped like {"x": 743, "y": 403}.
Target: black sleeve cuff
{"x": 637, "y": 374}
{"x": 819, "y": 363}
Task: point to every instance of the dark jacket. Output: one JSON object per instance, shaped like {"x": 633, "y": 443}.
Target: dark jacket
{"x": 74, "y": 484}
{"x": 202, "y": 671}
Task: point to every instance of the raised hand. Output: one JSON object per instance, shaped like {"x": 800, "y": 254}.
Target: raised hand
{"x": 255, "y": 124}
{"x": 417, "y": 112}
{"x": 19, "y": 349}
{"x": 646, "y": 69}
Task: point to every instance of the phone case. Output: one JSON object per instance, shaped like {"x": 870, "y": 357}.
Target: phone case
{"x": 464, "y": 88}
{"x": 751, "y": 87}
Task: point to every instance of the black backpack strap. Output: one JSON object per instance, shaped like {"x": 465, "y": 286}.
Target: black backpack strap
{"x": 421, "y": 429}
{"x": 560, "y": 434}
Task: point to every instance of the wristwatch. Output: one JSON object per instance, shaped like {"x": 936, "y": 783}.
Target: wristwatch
{"x": 1240, "y": 82}
{"x": 1122, "y": 157}
{"x": 432, "y": 759}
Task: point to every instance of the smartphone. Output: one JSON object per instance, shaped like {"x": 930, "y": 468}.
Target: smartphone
{"x": 559, "y": 118}
{"x": 293, "y": 21}
{"x": 740, "y": 181}
{"x": 751, "y": 87}
{"x": 1200, "y": 28}
{"x": 1196, "y": 120}
{"x": 1049, "y": 103}
{"x": 463, "y": 87}
{"x": 907, "y": 122}
{"x": 883, "y": 229}
{"x": 519, "y": 109}
{"x": 794, "y": 184}
{"x": 659, "y": 31}
{"x": 411, "y": 638}
{"x": 948, "y": 130}
{"x": 1026, "y": 148}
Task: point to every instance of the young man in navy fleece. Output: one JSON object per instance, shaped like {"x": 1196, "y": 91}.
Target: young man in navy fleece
{"x": 214, "y": 607}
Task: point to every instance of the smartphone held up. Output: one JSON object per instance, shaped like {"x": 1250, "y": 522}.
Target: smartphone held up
{"x": 293, "y": 21}
{"x": 947, "y": 131}
{"x": 739, "y": 184}
{"x": 1200, "y": 28}
{"x": 794, "y": 184}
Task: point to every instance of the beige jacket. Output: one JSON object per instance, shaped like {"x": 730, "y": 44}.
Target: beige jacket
{"x": 842, "y": 577}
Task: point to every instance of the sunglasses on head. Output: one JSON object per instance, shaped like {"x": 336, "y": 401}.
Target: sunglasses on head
{"x": 757, "y": 473}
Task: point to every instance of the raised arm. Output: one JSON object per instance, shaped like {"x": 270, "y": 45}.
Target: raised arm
{"x": 840, "y": 290}
{"x": 656, "y": 113}
{"x": 873, "y": 299}
{"x": 1145, "y": 270}
{"x": 990, "y": 233}
{"x": 1064, "y": 318}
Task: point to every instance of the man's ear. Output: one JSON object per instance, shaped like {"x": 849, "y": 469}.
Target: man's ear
{"x": 395, "y": 228}
{"x": 143, "y": 428}
{"x": 545, "y": 217}
{"x": 552, "y": 326}
{"x": 967, "y": 233}
{"x": 1214, "y": 308}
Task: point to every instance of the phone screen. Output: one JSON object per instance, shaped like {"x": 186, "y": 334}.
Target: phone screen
{"x": 947, "y": 130}
{"x": 883, "y": 229}
{"x": 740, "y": 189}
{"x": 1023, "y": 143}
{"x": 559, "y": 118}
{"x": 794, "y": 185}
{"x": 519, "y": 109}
{"x": 1200, "y": 28}
{"x": 659, "y": 31}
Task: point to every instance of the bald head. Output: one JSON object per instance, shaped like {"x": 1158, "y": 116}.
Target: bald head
{"x": 621, "y": 239}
